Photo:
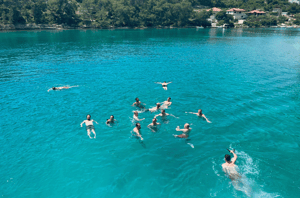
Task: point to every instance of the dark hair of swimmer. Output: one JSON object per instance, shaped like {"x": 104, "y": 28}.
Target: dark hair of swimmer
{"x": 154, "y": 119}
{"x": 88, "y": 116}
{"x": 158, "y": 105}
{"x": 138, "y": 125}
{"x": 200, "y": 111}
{"x": 112, "y": 116}
{"x": 227, "y": 158}
{"x": 169, "y": 98}
{"x": 165, "y": 81}
{"x": 163, "y": 111}
{"x": 136, "y": 99}
{"x": 53, "y": 88}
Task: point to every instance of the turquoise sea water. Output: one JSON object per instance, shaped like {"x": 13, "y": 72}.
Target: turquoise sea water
{"x": 246, "y": 81}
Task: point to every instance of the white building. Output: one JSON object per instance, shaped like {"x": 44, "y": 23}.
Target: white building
{"x": 237, "y": 13}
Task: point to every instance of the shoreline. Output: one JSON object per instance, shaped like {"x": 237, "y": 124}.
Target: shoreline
{"x": 4, "y": 28}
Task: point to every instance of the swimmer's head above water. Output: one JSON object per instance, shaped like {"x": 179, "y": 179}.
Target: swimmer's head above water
{"x": 88, "y": 117}
{"x": 137, "y": 99}
{"x": 227, "y": 158}
{"x": 200, "y": 111}
{"x": 158, "y": 105}
{"x": 138, "y": 125}
{"x": 112, "y": 117}
{"x": 53, "y": 88}
{"x": 169, "y": 99}
{"x": 154, "y": 120}
{"x": 163, "y": 111}
{"x": 187, "y": 126}
{"x": 135, "y": 113}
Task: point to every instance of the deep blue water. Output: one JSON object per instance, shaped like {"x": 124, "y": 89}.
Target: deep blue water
{"x": 246, "y": 81}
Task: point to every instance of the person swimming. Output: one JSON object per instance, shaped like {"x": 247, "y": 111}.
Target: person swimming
{"x": 167, "y": 103}
{"x": 200, "y": 114}
{"x": 138, "y": 103}
{"x": 153, "y": 109}
{"x": 89, "y": 126}
{"x": 163, "y": 114}
{"x": 137, "y": 130}
{"x": 135, "y": 116}
{"x": 164, "y": 84}
{"x": 186, "y": 131}
{"x": 60, "y": 88}
{"x": 153, "y": 126}
{"x": 111, "y": 120}
{"x": 231, "y": 170}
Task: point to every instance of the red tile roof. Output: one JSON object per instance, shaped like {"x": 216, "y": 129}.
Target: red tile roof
{"x": 257, "y": 12}
{"x": 236, "y": 9}
{"x": 214, "y": 9}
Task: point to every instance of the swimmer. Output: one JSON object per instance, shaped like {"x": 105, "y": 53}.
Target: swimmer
{"x": 153, "y": 109}
{"x": 186, "y": 131}
{"x": 135, "y": 116}
{"x": 137, "y": 130}
{"x": 89, "y": 126}
{"x": 152, "y": 126}
{"x": 138, "y": 103}
{"x": 167, "y": 103}
{"x": 164, "y": 84}
{"x": 111, "y": 120}
{"x": 230, "y": 169}
{"x": 60, "y": 88}
{"x": 200, "y": 114}
{"x": 163, "y": 114}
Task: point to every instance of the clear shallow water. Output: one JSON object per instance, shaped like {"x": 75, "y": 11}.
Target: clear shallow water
{"x": 246, "y": 81}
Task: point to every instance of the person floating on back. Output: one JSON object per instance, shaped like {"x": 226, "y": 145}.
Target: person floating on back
{"x": 89, "y": 126}
{"x": 137, "y": 130}
{"x": 164, "y": 84}
{"x": 200, "y": 114}
{"x": 153, "y": 126}
{"x": 186, "y": 131}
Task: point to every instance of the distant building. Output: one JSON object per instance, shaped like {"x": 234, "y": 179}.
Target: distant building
{"x": 237, "y": 13}
{"x": 214, "y": 11}
{"x": 294, "y": 1}
{"x": 256, "y": 13}
{"x": 278, "y": 10}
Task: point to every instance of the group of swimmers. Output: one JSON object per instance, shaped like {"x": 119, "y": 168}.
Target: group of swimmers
{"x": 228, "y": 167}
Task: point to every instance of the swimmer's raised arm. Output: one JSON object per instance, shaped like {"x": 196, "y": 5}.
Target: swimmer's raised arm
{"x": 172, "y": 115}
{"x": 234, "y": 157}
{"x": 158, "y": 82}
{"x": 169, "y": 82}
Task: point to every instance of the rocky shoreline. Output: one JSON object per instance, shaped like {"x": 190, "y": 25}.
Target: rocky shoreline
{"x": 65, "y": 27}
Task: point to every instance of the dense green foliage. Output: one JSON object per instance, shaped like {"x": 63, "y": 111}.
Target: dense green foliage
{"x": 131, "y": 13}
{"x": 266, "y": 21}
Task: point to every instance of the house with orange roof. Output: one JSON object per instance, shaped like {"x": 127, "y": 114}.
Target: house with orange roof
{"x": 256, "y": 13}
{"x": 214, "y": 11}
{"x": 237, "y": 13}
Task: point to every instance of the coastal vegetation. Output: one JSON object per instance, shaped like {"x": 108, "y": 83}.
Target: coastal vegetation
{"x": 137, "y": 13}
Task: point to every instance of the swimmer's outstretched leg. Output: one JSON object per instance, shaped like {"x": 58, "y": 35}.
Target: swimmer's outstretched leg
{"x": 94, "y": 133}
{"x": 89, "y": 133}
{"x": 175, "y": 135}
{"x": 165, "y": 88}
